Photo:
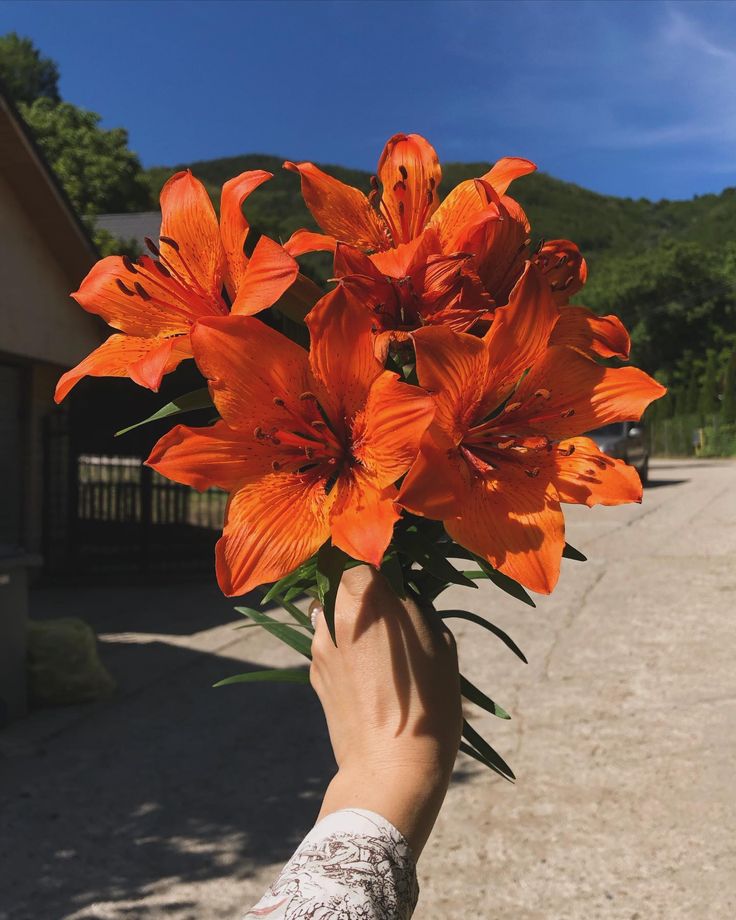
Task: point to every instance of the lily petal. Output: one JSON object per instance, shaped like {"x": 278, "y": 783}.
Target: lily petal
{"x": 341, "y": 211}
{"x": 499, "y": 245}
{"x": 409, "y": 171}
{"x": 438, "y": 483}
{"x": 204, "y": 457}
{"x": 303, "y": 241}
{"x": 230, "y": 353}
{"x": 578, "y": 395}
{"x": 564, "y": 267}
{"x": 468, "y": 205}
{"x": 453, "y": 367}
{"x": 342, "y": 356}
{"x": 269, "y": 273}
{"x": 514, "y": 523}
{"x": 233, "y": 225}
{"x": 188, "y": 218}
{"x": 583, "y": 475}
{"x": 504, "y": 171}
{"x": 352, "y": 261}
{"x": 298, "y": 300}
{"x": 387, "y": 433}
{"x": 135, "y": 298}
{"x": 162, "y": 357}
{"x": 469, "y": 197}
{"x": 520, "y": 332}
{"x": 402, "y": 259}
{"x": 363, "y": 516}
{"x": 272, "y": 525}
{"x": 584, "y": 330}
{"x": 144, "y": 359}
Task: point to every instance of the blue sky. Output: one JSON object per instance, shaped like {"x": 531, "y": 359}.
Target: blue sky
{"x": 628, "y": 98}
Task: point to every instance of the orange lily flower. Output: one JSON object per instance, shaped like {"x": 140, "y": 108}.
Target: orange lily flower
{"x": 505, "y": 447}
{"x": 448, "y": 263}
{"x": 409, "y": 173}
{"x": 309, "y": 445}
{"x": 409, "y": 257}
{"x": 155, "y": 301}
{"x": 564, "y": 267}
{"x": 433, "y": 288}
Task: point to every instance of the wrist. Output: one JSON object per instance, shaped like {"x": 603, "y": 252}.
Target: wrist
{"x": 407, "y": 791}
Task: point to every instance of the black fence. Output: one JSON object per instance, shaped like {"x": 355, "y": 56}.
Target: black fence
{"x": 107, "y": 513}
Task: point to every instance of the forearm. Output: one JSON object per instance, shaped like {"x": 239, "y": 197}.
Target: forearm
{"x": 408, "y": 795}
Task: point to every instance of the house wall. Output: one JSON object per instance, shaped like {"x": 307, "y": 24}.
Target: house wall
{"x": 42, "y": 330}
{"x": 40, "y": 400}
{"x": 38, "y": 321}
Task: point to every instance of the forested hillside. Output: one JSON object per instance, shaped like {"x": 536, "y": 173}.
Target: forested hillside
{"x": 668, "y": 268}
{"x": 598, "y": 223}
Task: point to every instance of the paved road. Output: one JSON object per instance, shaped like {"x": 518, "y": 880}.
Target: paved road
{"x": 175, "y": 801}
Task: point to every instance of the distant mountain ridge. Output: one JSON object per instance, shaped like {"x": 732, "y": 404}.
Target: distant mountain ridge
{"x": 667, "y": 268}
{"x": 599, "y": 224}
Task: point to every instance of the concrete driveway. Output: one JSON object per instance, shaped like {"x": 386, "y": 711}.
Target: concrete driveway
{"x": 177, "y": 801}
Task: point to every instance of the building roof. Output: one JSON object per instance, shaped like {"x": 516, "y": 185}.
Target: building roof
{"x": 38, "y": 191}
{"x": 132, "y": 226}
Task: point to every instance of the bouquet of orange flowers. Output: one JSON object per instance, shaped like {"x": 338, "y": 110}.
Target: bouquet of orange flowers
{"x": 434, "y": 425}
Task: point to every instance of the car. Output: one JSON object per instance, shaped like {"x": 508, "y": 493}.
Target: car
{"x": 625, "y": 441}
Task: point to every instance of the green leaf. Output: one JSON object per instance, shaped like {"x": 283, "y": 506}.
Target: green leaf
{"x": 569, "y": 552}
{"x": 286, "y": 634}
{"x": 486, "y": 624}
{"x": 391, "y": 569}
{"x": 474, "y": 574}
{"x": 299, "y": 615}
{"x": 275, "y": 675}
{"x": 260, "y": 625}
{"x": 304, "y": 573}
{"x": 197, "y": 399}
{"x": 505, "y": 583}
{"x": 293, "y": 592}
{"x": 426, "y": 585}
{"x": 472, "y": 693}
{"x": 471, "y": 752}
{"x": 454, "y": 551}
{"x": 330, "y": 566}
{"x": 491, "y": 757}
{"x": 429, "y": 556}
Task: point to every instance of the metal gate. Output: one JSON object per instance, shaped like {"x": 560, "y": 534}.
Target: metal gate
{"x": 107, "y": 513}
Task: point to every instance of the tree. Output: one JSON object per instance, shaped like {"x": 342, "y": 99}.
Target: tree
{"x": 728, "y": 407}
{"x": 98, "y": 172}
{"x": 708, "y": 403}
{"x": 24, "y": 74}
{"x": 692, "y": 394}
{"x": 675, "y": 298}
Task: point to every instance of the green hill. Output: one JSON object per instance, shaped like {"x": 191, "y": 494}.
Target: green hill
{"x": 598, "y": 223}
{"x": 668, "y": 268}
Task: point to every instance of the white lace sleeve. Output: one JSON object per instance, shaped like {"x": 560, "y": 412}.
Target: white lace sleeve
{"x": 353, "y": 865}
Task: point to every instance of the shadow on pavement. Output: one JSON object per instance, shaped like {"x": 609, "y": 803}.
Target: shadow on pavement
{"x": 687, "y": 465}
{"x": 656, "y": 483}
{"x": 168, "y": 781}
{"x": 175, "y": 781}
{"x": 180, "y": 609}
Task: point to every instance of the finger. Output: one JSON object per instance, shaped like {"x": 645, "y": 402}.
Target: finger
{"x": 322, "y": 644}
{"x": 316, "y": 610}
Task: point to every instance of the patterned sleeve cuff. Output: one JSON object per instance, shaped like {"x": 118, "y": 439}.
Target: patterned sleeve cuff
{"x": 353, "y": 864}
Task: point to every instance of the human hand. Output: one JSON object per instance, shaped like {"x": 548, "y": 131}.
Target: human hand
{"x": 391, "y": 695}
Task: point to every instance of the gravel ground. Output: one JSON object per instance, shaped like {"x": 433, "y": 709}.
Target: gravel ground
{"x": 176, "y": 801}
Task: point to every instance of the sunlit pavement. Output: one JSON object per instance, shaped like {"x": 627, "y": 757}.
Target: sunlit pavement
{"x": 173, "y": 800}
